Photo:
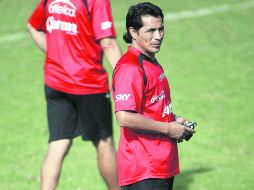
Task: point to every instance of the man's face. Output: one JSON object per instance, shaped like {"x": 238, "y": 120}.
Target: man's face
{"x": 149, "y": 37}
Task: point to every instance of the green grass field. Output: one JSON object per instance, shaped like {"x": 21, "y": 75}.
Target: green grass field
{"x": 208, "y": 57}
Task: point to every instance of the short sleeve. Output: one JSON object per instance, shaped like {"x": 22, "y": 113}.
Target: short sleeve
{"x": 128, "y": 87}
{"x": 102, "y": 19}
{"x": 37, "y": 19}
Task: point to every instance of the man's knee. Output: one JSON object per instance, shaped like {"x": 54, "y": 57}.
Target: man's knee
{"x": 60, "y": 147}
{"x": 104, "y": 142}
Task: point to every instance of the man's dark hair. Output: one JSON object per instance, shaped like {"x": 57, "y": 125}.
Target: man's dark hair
{"x": 133, "y": 17}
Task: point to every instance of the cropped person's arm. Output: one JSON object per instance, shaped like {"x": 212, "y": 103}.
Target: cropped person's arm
{"x": 39, "y": 37}
{"x": 145, "y": 125}
{"x": 111, "y": 50}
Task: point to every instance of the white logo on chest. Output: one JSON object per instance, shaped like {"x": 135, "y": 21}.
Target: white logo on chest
{"x": 56, "y": 8}
{"x": 161, "y": 96}
{"x": 167, "y": 110}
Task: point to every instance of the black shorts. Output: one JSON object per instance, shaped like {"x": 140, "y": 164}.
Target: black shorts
{"x": 73, "y": 115}
{"x": 151, "y": 184}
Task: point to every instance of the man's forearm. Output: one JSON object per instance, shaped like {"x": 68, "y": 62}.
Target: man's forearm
{"x": 111, "y": 50}
{"x": 145, "y": 125}
{"x": 140, "y": 123}
{"x": 39, "y": 37}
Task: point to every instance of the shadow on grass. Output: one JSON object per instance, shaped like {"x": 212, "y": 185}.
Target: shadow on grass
{"x": 185, "y": 178}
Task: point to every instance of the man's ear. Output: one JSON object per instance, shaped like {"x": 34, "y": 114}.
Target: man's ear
{"x": 133, "y": 33}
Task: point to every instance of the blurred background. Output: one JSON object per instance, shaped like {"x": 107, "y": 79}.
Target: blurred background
{"x": 208, "y": 57}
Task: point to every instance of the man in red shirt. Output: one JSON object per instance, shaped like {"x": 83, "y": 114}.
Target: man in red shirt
{"x": 74, "y": 35}
{"x": 147, "y": 154}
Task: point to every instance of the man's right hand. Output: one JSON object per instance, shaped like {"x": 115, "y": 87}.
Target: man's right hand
{"x": 177, "y": 131}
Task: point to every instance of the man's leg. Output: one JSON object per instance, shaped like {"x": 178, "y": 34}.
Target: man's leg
{"x": 52, "y": 164}
{"x": 95, "y": 122}
{"x": 106, "y": 155}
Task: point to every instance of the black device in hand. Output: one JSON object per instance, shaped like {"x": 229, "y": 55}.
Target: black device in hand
{"x": 191, "y": 125}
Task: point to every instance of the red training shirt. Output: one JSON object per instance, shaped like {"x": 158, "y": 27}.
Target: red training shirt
{"x": 73, "y": 61}
{"x": 143, "y": 156}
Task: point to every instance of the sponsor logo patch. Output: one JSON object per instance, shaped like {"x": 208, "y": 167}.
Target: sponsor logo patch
{"x": 122, "y": 97}
{"x": 68, "y": 27}
{"x": 56, "y": 8}
{"x": 162, "y": 76}
{"x": 167, "y": 110}
{"x": 106, "y": 25}
{"x": 61, "y": 7}
{"x": 161, "y": 96}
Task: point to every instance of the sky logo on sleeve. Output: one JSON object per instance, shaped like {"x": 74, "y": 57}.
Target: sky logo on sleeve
{"x": 122, "y": 97}
{"x": 106, "y": 25}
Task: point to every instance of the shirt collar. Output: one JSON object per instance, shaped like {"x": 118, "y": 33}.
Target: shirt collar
{"x": 136, "y": 52}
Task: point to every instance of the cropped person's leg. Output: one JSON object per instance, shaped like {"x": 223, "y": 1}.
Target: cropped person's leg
{"x": 52, "y": 164}
{"x": 62, "y": 122}
{"x": 106, "y": 155}
{"x": 95, "y": 117}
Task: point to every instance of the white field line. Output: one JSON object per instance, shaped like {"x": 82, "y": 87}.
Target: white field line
{"x": 13, "y": 37}
{"x": 208, "y": 11}
{"x": 167, "y": 17}
{"x": 202, "y": 12}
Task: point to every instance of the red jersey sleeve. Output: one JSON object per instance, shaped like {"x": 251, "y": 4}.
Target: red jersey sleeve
{"x": 37, "y": 19}
{"x": 128, "y": 87}
{"x": 102, "y": 20}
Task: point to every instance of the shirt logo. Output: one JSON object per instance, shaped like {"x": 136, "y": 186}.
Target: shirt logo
{"x": 167, "y": 110}
{"x": 67, "y": 27}
{"x": 161, "y": 96}
{"x": 61, "y": 7}
{"x": 122, "y": 97}
{"x": 106, "y": 25}
{"x": 162, "y": 76}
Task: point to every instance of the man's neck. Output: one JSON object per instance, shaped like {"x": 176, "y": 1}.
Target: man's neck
{"x": 150, "y": 55}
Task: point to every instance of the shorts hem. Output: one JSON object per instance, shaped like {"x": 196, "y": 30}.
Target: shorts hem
{"x": 61, "y": 138}
{"x": 131, "y": 181}
{"x": 84, "y": 138}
